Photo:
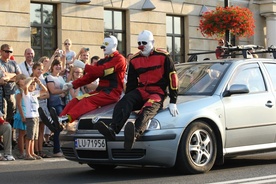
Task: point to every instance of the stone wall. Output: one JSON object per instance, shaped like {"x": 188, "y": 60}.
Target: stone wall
{"x": 84, "y": 25}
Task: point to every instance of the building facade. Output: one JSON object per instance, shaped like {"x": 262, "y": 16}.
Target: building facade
{"x": 45, "y": 24}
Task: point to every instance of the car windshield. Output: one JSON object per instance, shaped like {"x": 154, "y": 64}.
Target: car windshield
{"x": 200, "y": 78}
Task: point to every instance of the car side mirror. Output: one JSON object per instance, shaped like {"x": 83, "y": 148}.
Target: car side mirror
{"x": 236, "y": 89}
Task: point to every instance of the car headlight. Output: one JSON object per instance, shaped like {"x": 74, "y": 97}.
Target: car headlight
{"x": 71, "y": 127}
{"x": 154, "y": 124}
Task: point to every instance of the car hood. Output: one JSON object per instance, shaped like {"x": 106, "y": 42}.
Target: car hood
{"x": 183, "y": 99}
{"x": 107, "y": 111}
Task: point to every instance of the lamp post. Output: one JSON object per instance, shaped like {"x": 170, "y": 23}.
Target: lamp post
{"x": 227, "y": 33}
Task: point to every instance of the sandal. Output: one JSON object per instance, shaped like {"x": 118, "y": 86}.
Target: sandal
{"x": 29, "y": 158}
{"x": 37, "y": 157}
{"x": 47, "y": 144}
{"x": 43, "y": 155}
{"x": 21, "y": 156}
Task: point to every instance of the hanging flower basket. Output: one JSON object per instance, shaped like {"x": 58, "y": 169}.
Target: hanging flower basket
{"x": 239, "y": 21}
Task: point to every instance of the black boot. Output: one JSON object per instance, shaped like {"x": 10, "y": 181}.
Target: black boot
{"x": 108, "y": 132}
{"x": 54, "y": 117}
{"x": 129, "y": 133}
{"x": 48, "y": 122}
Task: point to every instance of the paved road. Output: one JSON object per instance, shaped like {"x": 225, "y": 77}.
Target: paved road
{"x": 247, "y": 169}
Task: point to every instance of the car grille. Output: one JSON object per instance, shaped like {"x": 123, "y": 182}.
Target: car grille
{"x": 68, "y": 152}
{"x": 134, "y": 153}
{"x": 92, "y": 154}
{"x": 116, "y": 153}
{"x": 86, "y": 124}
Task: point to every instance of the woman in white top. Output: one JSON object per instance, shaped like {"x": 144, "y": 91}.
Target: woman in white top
{"x": 55, "y": 84}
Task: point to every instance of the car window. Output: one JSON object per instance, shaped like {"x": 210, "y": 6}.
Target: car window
{"x": 200, "y": 78}
{"x": 251, "y": 76}
{"x": 271, "y": 68}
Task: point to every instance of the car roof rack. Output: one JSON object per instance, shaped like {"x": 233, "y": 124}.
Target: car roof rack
{"x": 246, "y": 51}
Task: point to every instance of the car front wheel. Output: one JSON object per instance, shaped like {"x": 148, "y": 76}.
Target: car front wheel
{"x": 197, "y": 149}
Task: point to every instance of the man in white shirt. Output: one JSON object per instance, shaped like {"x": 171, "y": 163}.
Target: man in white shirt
{"x": 26, "y": 66}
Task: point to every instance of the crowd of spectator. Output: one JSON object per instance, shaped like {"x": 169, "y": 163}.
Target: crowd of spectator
{"x": 27, "y": 85}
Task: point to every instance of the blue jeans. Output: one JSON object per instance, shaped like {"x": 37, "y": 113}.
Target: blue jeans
{"x": 56, "y": 148}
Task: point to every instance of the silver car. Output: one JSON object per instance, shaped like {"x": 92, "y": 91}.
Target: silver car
{"x": 226, "y": 108}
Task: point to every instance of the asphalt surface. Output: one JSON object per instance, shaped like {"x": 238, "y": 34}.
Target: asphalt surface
{"x": 46, "y": 150}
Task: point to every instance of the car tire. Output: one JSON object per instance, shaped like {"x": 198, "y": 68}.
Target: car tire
{"x": 197, "y": 150}
{"x": 102, "y": 167}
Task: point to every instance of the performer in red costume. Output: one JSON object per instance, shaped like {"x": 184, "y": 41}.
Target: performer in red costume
{"x": 151, "y": 72}
{"x": 110, "y": 71}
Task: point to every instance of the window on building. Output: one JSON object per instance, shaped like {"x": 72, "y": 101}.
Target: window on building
{"x": 43, "y": 29}
{"x": 175, "y": 38}
{"x": 114, "y": 24}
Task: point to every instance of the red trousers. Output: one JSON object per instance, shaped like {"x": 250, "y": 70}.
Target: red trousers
{"x": 75, "y": 108}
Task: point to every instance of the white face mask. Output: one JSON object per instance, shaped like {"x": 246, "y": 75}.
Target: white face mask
{"x": 145, "y": 42}
{"x": 109, "y": 45}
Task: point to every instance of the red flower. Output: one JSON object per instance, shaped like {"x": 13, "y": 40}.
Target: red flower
{"x": 239, "y": 21}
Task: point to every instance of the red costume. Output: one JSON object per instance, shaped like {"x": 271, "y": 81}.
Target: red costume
{"x": 148, "y": 79}
{"x": 111, "y": 71}
{"x": 151, "y": 72}
{"x": 155, "y": 73}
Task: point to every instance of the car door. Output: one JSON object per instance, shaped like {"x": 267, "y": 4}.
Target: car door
{"x": 249, "y": 117}
{"x": 271, "y": 68}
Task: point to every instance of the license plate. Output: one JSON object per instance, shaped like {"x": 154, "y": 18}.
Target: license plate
{"x": 90, "y": 144}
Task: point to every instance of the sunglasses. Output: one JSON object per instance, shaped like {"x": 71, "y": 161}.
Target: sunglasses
{"x": 67, "y": 44}
{"x": 144, "y": 43}
{"x": 220, "y": 42}
{"x": 7, "y": 51}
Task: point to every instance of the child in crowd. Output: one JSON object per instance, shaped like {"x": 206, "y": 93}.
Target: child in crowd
{"x": 42, "y": 99}
{"x": 93, "y": 85}
{"x": 19, "y": 117}
{"x": 30, "y": 97}
{"x": 75, "y": 73}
